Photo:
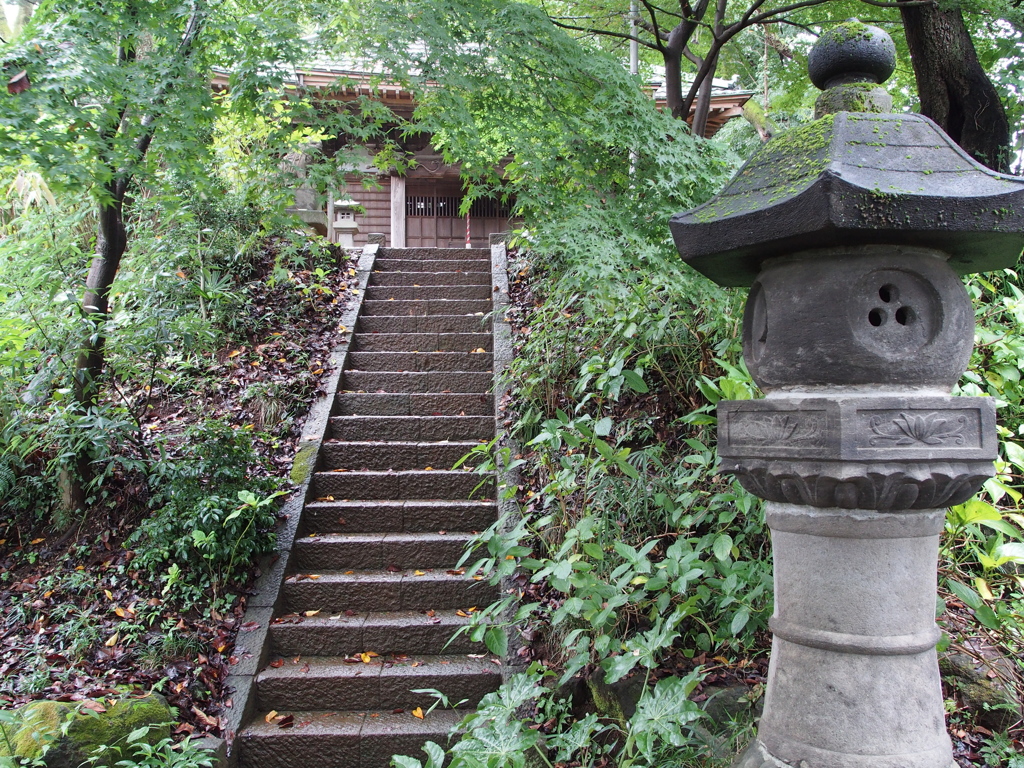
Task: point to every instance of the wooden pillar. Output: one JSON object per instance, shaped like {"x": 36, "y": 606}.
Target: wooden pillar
{"x": 398, "y": 212}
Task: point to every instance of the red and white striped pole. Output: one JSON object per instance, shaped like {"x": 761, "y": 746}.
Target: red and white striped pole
{"x": 468, "y": 243}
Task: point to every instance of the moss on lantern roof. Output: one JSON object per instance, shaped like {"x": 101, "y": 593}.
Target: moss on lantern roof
{"x": 856, "y": 178}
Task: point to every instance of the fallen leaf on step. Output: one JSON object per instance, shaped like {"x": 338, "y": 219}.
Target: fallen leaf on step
{"x": 204, "y": 718}
{"x": 270, "y": 716}
{"x": 418, "y": 712}
{"x": 312, "y": 613}
{"x": 287, "y": 721}
{"x": 419, "y": 573}
{"x": 277, "y": 663}
{"x": 397, "y": 711}
{"x": 457, "y": 572}
{"x": 305, "y": 668}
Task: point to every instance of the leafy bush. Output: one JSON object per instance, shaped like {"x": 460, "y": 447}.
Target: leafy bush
{"x": 137, "y": 752}
{"x": 213, "y": 513}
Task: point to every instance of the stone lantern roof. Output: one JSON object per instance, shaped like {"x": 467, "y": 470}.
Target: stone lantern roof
{"x": 856, "y": 178}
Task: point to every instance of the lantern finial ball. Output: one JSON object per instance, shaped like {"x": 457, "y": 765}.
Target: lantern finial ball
{"x": 852, "y": 52}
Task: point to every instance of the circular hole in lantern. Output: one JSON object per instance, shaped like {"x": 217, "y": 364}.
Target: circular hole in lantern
{"x": 876, "y": 317}
{"x": 888, "y": 293}
{"x": 905, "y": 316}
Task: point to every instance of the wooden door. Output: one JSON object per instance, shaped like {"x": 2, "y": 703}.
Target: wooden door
{"x": 432, "y": 217}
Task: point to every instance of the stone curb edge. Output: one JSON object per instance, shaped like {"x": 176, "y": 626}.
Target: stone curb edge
{"x": 508, "y": 508}
{"x": 261, "y": 604}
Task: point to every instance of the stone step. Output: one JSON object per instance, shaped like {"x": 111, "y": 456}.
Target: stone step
{"x": 428, "y": 292}
{"x": 429, "y": 324}
{"x": 432, "y": 265}
{"x": 425, "y": 632}
{"x": 417, "y": 381}
{"x": 422, "y": 342}
{"x": 394, "y": 455}
{"x": 412, "y": 428}
{"x": 342, "y": 739}
{"x": 382, "y": 683}
{"x": 406, "y": 484}
{"x": 425, "y": 307}
{"x": 376, "y": 551}
{"x": 420, "y": 361}
{"x": 412, "y": 590}
{"x": 430, "y": 278}
{"x": 434, "y": 253}
{"x": 371, "y": 516}
{"x": 412, "y": 404}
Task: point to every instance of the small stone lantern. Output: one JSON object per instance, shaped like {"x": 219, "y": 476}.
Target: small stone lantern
{"x": 851, "y": 233}
{"x": 345, "y": 226}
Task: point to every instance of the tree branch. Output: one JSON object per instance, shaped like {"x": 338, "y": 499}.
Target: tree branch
{"x": 654, "y": 22}
{"x": 673, "y": 14}
{"x": 605, "y": 33}
{"x": 907, "y": 4}
{"x": 648, "y": 27}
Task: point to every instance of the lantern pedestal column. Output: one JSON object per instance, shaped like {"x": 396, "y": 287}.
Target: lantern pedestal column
{"x": 853, "y": 680}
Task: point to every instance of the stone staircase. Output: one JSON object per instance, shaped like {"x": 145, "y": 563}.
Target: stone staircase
{"x": 372, "y": 597}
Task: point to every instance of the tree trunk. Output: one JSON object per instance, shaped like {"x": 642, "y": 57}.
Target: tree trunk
{"x": 111, "y": 242}
{"x": 954, "y": 89}
{"x": 702, "y": 108}
{"x": 673, "y": 60}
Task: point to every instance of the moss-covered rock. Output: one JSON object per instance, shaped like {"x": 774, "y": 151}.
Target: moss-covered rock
{"x": 65, "y": 735}
{"x": 305, "y": 462}
{"x": 616, "y": 701}
{"x": 993, "y": 704}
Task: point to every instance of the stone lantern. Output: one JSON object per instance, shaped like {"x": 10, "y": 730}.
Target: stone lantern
{"x": 345, "y": 226}
{"x": 851, "y": 233}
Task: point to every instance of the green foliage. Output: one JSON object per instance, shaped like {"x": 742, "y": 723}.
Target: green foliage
{"x": 583, "y": 138}
{"x": 213, "y": 514}
{"x": 496, "y": 735}
{"x": 137, "y": 752}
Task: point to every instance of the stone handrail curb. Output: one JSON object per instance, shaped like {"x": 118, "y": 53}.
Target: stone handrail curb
{"x": 260, "y": 606}
{"x": 508, "y": 509}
